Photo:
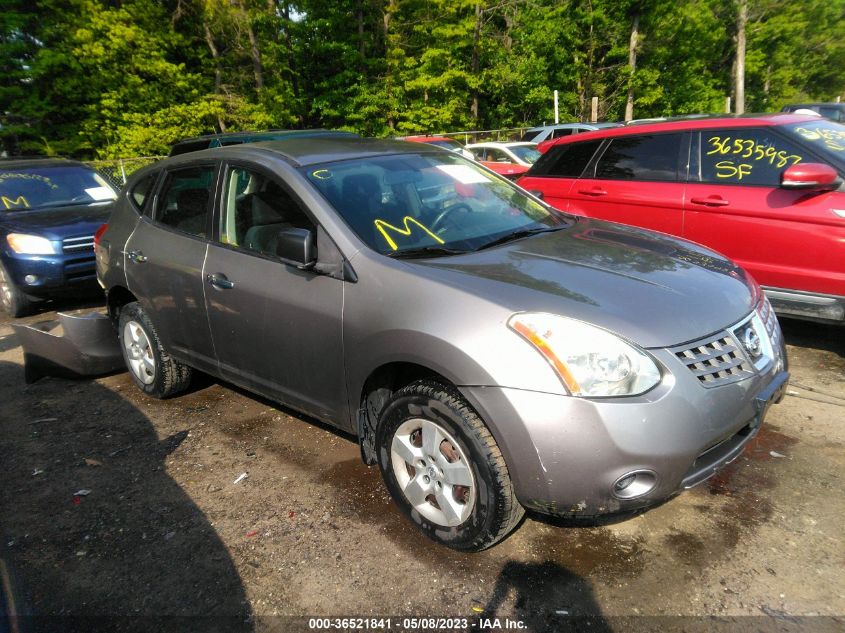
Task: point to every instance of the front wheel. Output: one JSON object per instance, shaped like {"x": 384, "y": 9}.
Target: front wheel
{"x": 12, "y": 300}
{"x": 151, "y": 368}
{"x": 444, "y": 469}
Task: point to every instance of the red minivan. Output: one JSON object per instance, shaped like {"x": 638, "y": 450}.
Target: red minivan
{"x": 764, "y": 190}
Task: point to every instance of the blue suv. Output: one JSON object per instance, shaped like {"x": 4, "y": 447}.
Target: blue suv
{"x": 50, "y": 210}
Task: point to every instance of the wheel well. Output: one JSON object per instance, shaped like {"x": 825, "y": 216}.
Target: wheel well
{"x": 380, "y": 385}
{"x": 118, "y": 297}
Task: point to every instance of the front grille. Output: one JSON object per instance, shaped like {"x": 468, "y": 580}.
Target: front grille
{"x": 767, "y": 313}
{"x": 715, "y": 361}
{"x": 78, "y": 244}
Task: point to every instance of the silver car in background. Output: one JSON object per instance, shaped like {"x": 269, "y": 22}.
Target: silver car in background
{"x": 489, "y": 353}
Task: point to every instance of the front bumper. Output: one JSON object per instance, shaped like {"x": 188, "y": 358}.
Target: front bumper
{"x": 51, "y": 274}
{"x": 566, "y": 454}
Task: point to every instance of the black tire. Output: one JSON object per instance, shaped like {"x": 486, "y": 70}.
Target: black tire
{"x": 14, "y": 302}
{"x": 489, "y": 504}
{"x": 152, "y": 368}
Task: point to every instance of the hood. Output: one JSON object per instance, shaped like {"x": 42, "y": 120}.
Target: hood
{"x": 651, "y": 288}
{"x": 58, "y": 223}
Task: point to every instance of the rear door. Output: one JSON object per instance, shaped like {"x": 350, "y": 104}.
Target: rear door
{"x": 638, "y": 180}
{"x": 277, "y": 329}
{"x": 786, "y": 238}
{"x": 164, "y": 258}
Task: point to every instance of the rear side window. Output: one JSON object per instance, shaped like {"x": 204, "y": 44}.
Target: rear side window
{"x": 142, "y": 190}
{"x": 184, "y": 201}
{"x": 565, "y": 161}
{"x": 747, "y": 156}
{"x": 650, "y": 157}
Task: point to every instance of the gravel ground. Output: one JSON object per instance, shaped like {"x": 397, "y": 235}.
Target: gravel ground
{"x": 165, "y": 530}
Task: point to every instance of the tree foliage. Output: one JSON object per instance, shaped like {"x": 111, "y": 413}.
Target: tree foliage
{"x": 114, "y": 78}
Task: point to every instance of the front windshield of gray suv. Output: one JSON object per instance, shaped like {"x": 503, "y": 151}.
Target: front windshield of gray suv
{"x": 826, "y": 137}
{"x": 416, "y": 203}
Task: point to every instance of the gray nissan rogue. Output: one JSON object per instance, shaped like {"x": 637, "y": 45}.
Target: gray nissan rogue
{"x": 490, "y": 353}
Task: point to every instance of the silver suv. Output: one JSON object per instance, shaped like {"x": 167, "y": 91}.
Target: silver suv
{"x": 490, "y": 353}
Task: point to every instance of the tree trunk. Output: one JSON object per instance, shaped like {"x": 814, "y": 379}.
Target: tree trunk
{"x": 218, "y": 72}
{"x": 254, "y": 51}
{"x": 739, "y": 76}
{"x": 360, "y": 16}
{"x": 389, "y": 10}
{"x": 476, "y": 41}
{"x": 294, "y": 78}
{"x": 632, "y": 63}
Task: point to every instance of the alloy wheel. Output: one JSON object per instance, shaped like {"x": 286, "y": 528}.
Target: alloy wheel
{"x": 433, "y": 472}
{"x": 139, "y": 352}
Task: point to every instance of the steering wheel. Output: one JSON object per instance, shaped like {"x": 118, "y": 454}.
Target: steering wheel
{"x": 445, "y": 213}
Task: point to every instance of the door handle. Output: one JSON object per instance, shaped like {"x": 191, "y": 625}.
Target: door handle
{"x": 137, "y": 256}
{"x": 219, "y": 280}
{"x": 595, "y": 191}
{"x": 712, "y": 201}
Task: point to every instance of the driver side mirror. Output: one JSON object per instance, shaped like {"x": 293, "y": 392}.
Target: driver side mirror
{"x": 810, "y": 176}
{"x": 296, "y": 247}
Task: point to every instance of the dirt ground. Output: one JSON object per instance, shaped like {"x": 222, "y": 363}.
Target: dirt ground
{"x": 310, "y": 531}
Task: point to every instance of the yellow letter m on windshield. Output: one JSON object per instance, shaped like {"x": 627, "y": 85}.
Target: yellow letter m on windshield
{"x": 383, "y": 226}
{"x": 20, "y": 201}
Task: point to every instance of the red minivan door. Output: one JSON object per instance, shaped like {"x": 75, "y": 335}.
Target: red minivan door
{"x": 786, "y": 238}
{"x": 638, "y": 180}
{"x": 554, "y": 174}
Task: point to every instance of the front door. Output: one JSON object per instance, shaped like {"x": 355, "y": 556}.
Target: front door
{"x": 637, "y": 180}
{"x": 277, "y": 329}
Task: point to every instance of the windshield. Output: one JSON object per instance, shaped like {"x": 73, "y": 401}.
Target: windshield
{"x": 525, "y": 153}
{"x": 826, "y": 137}
{"x": 46, "y": 187}
{"x": 434, "y": 202}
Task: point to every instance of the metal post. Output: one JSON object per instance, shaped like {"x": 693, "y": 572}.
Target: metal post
{"x": 557, "y": 118}
{"x": 122, "y": 171}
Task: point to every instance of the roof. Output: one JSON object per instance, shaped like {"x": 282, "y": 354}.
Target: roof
{"x": 696, "y": 123}
{"x": 502, "y": 144}
{"x": 567, "y": 126}
{"x": 426, "y": 138}
{"x": 303, "y": 152}
{"x": 32, "y": 161}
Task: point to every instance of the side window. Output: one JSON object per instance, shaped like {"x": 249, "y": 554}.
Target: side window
{"x": 142, "y": 190}
{"x": 746, "y": 156}
{"x": 256, "y": 208}
{"x": 563, "y": 132}
{"x": 566, "y": 161}
{"x": 497, "y": 156}
{"x": 650, "y": 157}
{"x": 184, "y": 200}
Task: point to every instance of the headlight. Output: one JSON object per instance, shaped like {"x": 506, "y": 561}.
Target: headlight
{"x": 588, "y": 360}
{"x": 30, "y": 244}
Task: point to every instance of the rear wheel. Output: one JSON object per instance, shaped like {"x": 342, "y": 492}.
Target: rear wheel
{"x": 152, "y": 369}
{"x": 12, "y": 300}
{"x": 444, "y": 469}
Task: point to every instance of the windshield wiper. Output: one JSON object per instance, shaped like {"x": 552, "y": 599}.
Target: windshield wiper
{"x": 425, "y": 251}
{"x": 510, "y": 237}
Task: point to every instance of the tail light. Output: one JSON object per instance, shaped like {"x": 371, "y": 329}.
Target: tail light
{"x": 99, "y": 234}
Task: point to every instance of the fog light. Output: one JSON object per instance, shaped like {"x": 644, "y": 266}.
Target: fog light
{"x": 634, "y": 484}
{"x": 31, "y": 279}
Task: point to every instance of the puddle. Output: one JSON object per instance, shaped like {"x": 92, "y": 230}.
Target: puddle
{"x": 688, "y": 548}
{"x": 595, "y": 552}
